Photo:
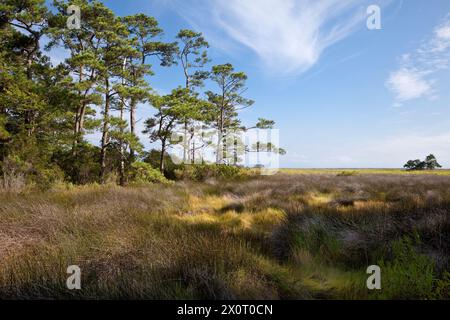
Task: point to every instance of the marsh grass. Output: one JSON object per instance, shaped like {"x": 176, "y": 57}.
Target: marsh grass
{"x": 280, "y": 237}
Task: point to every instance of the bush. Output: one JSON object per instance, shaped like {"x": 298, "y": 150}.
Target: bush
{"x": 142, "y": 172}
{"x": 82, "y": 168}
{"x": 12, "y": 175}
{"x": 204, "y": 172}
{"x": 16, "y": 174}
{"x": 153, "y": 157}
{"x": 442, "y": 287}
{"x": 409, "y": 274}
{"x": 347, "y": 173}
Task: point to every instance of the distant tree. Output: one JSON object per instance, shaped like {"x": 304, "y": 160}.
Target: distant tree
{"x": 430, "y": 163}
{"x": 413, "y": 165}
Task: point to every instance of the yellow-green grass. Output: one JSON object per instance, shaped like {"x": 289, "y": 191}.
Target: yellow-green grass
{"x": 281, "y": 237}
{"x": 443, "y": 172}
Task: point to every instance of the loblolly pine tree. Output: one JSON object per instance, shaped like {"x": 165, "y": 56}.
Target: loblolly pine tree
{"x": 35, "y": 98}
{"x": 171, "y": 109}
{"x": 144, "y": 32}
{"x": 30, "y": 18}
{"x": 127, "y": 92}
{"x": 193, "y": 57}
{"x": 84, "y": 45}
{"x": 227, "y": 103}
{"x": 114, "y": 48}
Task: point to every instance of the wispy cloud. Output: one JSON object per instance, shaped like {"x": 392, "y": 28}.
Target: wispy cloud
{"x": 288, "y": 35}
{"x": 414, "y": 79}
{"x": 408, "y": 84}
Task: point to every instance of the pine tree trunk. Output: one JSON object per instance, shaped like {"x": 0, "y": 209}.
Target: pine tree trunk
{"x": 122, "y": 153}
{"x": 219, "y": 155}
{"x": 78, "y": 118}
{"x": 132, "y": 126}
{"x": 105, "y": 134}
{"x": 185, "y": 143}
{"x": 161, "y": 159}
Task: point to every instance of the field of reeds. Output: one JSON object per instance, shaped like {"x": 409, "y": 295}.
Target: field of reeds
{"x": 289, "y": 236}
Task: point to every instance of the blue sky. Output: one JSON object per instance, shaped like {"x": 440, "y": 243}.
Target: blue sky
{"x": 342, "y": 95}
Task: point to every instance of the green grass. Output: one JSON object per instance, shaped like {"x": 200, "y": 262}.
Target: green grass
{"x": 444, "y": 172}
{"x": 281, "y": 237}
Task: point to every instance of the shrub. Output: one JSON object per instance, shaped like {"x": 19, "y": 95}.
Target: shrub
{"x": 347, "y": 173}
{"x": 81, "y": 168}
{"x": 442, "y": 287}
{"x": 142, "y": 172}
{"x": 204, "y": 172}
{"x": 409, "y": 274}
{"x": 153, "y": 158}
{"x": 12, "y": 175}
{"x": 16, "y": 174}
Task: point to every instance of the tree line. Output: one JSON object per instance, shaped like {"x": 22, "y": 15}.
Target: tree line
{"x": 46, "y": 111}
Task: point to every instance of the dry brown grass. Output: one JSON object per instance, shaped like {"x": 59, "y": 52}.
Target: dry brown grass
{"x": 280, "y": 237}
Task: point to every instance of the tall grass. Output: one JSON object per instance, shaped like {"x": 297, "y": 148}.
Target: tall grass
{"x": 280, "y": 237}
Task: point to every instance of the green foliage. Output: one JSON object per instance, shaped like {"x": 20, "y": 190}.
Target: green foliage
{"x": 154, "y": 157}
{"x": 173, "y": 109}
{"x": 193, "y": 57}
{"x": 46, "y": 110}
{"x": 208, "y": 171}
{"x": 442, "y": 288}
{"x": 408, "y": 274}
{"x": 141, "y": 172}
{"x": 4, "y": 134}
{"x": 430, "y": 163}
{"x": 81, "y": 168}
{"x": 265, "y": 124}
{"x": 319, "y": 240}
{"x": 347, "y": 173}
{"x": 17, "y": 173}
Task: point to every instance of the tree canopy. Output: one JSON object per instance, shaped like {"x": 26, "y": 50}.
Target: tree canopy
{"x": 48, "y": 109}
{"x": 430, "y": 163}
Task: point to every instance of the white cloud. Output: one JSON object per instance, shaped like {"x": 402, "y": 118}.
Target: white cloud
{"x": 412, "y": 79}
{"x": 288, "y": 35}
{"x": 442, "y": 37}
{"x": 408, "y": 84}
